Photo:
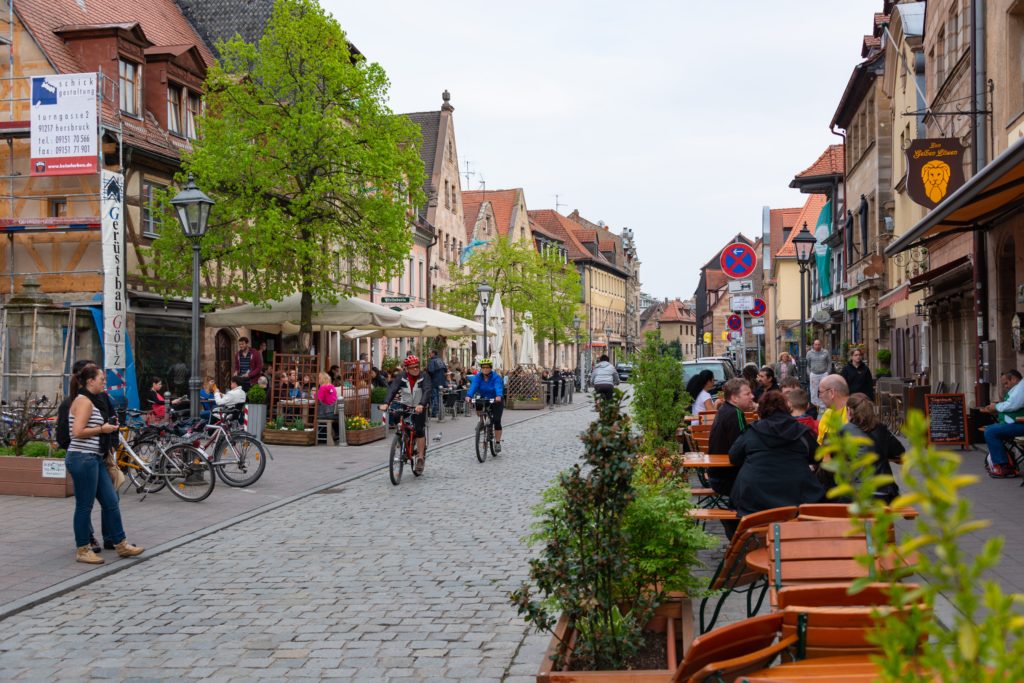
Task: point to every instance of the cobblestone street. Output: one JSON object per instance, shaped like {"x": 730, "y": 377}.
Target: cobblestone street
{"x": 366, "y": 581}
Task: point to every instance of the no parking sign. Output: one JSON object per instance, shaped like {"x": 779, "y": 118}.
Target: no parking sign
{"x": 738, "y": 260}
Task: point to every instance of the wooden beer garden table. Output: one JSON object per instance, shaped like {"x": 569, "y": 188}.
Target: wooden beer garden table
{"x": 700, "y": 461}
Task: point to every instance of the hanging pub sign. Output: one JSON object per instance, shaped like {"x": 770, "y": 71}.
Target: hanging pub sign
{"x": 935, "y": 169}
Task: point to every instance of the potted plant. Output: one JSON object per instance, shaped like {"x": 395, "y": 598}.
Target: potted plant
{"x": 884, "y": 357}
{"x": 30, "y": 466}
{"x": 616, "y": 564}
{"x": 377, "y": 396}
{"x": 284, "y": 433}
{"x": 359, "y": 430}
{"x": 256, "y": 406}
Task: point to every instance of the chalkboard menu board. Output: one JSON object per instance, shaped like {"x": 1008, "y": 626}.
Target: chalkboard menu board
{"x": 947, "y": 419}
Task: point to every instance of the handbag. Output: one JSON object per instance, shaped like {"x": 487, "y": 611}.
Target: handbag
{"x": 116, "y": 475}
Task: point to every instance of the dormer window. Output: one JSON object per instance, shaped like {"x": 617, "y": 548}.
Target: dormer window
{"x": 174, "y": 109}
{"x": 131, "y": 87}
{"x": 195, "y": 109}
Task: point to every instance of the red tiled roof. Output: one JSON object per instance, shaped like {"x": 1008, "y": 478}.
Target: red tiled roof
{"x": 780, "y": 219}
{"x": 160, "y": 20}
{"x": 809, "y": 214}
{"x": 539, "y": 229}
{"x": 829, "y": 163}
{"x": 561, "y": 228}
{"x": 470, "y": 213}
{"x": 502, "y": 203}
{"x": 676, "y": 312}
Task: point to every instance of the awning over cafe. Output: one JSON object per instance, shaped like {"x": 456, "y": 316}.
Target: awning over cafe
{"x": 990, "y": 196}
{"x": 955, "y": 269}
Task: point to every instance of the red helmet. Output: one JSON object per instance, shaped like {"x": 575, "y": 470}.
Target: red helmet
{"x": 411, "y": 360}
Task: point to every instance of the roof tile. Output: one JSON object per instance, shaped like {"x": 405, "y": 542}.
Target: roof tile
{"x": 829, "y": 163}
{"x": 502, "y": 202}
{"x": 809, "y": 214}
{"x": 563, "y": 229}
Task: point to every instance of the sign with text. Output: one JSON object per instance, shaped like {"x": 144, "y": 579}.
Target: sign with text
{"x": 115, "y": 300}
{"x": 63, "y": 125}
{"x": 741, "y": 286}
{"x": 54, "y": 469}
{"x": 741, "y": 303}
{"x": 935, "y": 169}
{"x": 757, "y": 329}
{"x": 395, "y": 299}
{"x": 757, "y": 322}
{"x": 947, "y": 419}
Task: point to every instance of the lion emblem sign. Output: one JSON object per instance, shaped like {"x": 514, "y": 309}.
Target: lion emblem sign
{"x": 935, "y": 175}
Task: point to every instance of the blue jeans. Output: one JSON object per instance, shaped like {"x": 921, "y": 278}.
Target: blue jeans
{"x": 996, "y": 434}
{"x": 92, "y": 482}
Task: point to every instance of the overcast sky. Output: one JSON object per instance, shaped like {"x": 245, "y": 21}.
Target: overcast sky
{"x": 678, "y": 119}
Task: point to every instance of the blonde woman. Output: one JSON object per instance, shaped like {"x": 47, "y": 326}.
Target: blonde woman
{"x": 786, "y": 367}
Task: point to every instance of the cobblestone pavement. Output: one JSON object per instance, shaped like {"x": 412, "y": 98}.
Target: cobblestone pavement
{"x": 367, "y": 581}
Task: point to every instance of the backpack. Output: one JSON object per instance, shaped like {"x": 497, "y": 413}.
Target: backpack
{"x": 63, "y": 436}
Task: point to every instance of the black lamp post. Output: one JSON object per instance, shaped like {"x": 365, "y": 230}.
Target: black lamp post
{"x": 804, "y": 245}
{"x": 579, "y": 365}
{"x": 193, "y": 209}
{"x": 484, "y": 292}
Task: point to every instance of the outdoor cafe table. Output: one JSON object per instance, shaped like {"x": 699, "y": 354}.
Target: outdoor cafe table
{"x": 700, "y": 461}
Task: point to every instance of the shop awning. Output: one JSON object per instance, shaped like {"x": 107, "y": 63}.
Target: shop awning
{"x": 990, "y": 196}
{"x": 901, "y": 293}
{"x": 929, "y": 277}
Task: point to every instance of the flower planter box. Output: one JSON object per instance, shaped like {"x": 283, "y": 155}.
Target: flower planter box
{"x": 289, "y": 437}
{"x": 362, "y": 436}
{"x": 525, "y": 403}
{"x": 25, "y": 477}
{"x": 674, "y": 618}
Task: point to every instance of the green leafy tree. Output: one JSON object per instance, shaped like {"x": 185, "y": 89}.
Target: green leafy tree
{"x": 659, "y": 398}
{"x": 313, "y": 175}
{"x": 558, "y": 294}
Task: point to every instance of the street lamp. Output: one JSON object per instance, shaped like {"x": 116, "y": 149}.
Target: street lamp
{"x": 579, "y": 364}
{"x": 193, "y": 208}
{"x": 804, "y": 245}
{"x": 484, "y": 292}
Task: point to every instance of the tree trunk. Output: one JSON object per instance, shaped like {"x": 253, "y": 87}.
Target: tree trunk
{"x": 306, "y": 321}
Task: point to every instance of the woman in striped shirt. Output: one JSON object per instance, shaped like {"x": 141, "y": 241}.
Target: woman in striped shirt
{"x": 90, "y": 436}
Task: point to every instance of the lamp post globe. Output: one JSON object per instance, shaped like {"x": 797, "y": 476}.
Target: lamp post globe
{"x": 803, "y": 243}
{"x": 193, "y": 210}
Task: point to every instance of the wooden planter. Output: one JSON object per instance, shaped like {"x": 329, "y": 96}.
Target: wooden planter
{"x": 21, "y": 476}
{"x": 289, "y": 437}
{"x": 361, "y": 436}
{"x": 674, "y": 618}
{"x": 525, "y": 403}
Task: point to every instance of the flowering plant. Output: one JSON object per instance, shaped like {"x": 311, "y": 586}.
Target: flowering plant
{"x": 356, "y": 423}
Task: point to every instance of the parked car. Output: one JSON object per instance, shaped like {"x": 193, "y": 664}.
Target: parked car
{"x": 721, "y": 368}
{"x": 625, "y": 371}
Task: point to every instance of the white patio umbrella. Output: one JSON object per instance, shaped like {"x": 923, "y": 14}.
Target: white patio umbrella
{"x": 527, "y": 347}
{"x": 496, "y": 317}
{"x": 425, "y": 322}
{"x": 284, "y": 316}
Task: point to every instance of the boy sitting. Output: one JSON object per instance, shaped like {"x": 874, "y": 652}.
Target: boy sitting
{"x": 798, "y": 403}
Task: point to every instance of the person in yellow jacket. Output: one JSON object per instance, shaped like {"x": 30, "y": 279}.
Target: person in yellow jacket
{"x": 834, "y": 393}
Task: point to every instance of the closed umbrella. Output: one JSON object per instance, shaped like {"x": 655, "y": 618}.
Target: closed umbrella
{"x": 527, "y": 348}
{"x": 496, "y": 317}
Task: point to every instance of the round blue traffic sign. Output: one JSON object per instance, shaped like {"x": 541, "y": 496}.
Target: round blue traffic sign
{"x": 738, "y": 260}
{"x": 759, "y": 309}
{"x": 735, "y": 323}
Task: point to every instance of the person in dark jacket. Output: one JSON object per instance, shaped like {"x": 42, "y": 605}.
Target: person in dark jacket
{"x": 728, "y": 425}
{"x": 858, "y": 376}
{"x": 412, "y": 388}
{"x": 774, "y": 456}
{"x": 864, "y": 423}
{"x": 765, "y": 383}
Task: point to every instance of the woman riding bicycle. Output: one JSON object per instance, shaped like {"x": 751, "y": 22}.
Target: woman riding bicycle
{"x": 488, "y": 384}
{"x": 413, "y": 389}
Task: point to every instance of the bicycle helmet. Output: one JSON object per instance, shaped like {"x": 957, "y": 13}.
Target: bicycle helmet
{"x": 411, "y": 360}
{"x": 486, "y": 361}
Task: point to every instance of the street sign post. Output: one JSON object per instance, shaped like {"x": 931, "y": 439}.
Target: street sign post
{"x": 735, "y": 323}
{"x": 757, "y": 329}
{"x": 741, "y": 286}
{"x": 741, "y": 303}
{"x": 759, "y": 309}
{"x": 757, "y": 322}
{"x": 738, "y": 260}
{"x": 395, "y": 299}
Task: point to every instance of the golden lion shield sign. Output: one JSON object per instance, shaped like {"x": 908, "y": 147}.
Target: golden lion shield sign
{"x": 935, "y": 169}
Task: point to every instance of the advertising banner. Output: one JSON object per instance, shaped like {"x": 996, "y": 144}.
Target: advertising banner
{"x": 63, "y": 125}
{"x": 115, "y": 300}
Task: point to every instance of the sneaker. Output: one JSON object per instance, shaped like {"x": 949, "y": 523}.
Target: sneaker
{"x": 497, "y": 447}
{"x": 108, "y": 545}
{"x": 418, "y": 467}
{"x": 94, "y": 545}
{"x": 126, "y": 549}
{"x": 1002, "y": 472}
{"x": 87, "y": 556}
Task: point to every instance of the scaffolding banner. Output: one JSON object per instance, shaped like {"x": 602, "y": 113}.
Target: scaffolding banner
{"x": 64, "y": 125}
{"x": 115, "y": 299}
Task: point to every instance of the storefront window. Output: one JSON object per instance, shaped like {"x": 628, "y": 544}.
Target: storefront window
{"x": 163, "y": 349}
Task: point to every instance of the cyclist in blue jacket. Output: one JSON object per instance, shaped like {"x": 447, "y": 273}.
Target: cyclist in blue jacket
{"x": 488, "y": 384}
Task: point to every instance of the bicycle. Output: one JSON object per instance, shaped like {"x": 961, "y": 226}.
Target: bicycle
{"x": 238, "y": 458}
{"x": 484, "y": 435}
{"x": 403, "y": 446}
{"x": 150, "y": 466}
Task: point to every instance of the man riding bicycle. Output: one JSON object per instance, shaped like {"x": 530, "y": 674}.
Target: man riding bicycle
{"x": 487, "y": 384}
{"x": 413, "y": 389}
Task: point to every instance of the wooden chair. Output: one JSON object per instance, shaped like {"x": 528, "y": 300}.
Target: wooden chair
{"x": 814, "y": 512}
{"x": 701, "y": 434}
{"x": 751, "y": 416}
{"x": 706, "y": 417}
{"x": 325, "y": 432}
{"x": 727, "y": 653}
{"x": 732, "y": 574}
{"x": 801, "y": 552}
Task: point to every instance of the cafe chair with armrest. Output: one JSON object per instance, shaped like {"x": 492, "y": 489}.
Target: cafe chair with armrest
{"x": 725, "y": 654}
{"x": 733, "y": 575}
{"x": 835, "y": 631}
{"x": 816, "y": 512}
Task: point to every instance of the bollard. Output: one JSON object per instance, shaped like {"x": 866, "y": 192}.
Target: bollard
{"x": 341, "y": 421}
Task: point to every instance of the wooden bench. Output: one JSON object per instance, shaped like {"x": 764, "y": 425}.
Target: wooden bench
{"x": 712, "y": 514}
{"x": 826, "y": 511}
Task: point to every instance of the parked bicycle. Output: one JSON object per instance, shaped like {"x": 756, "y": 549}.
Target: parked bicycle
{"x": 150, "y": 466}
{"x": 484, "y": 435}
{"x": 238, "y": 458}
{"x": 403, "y": 446}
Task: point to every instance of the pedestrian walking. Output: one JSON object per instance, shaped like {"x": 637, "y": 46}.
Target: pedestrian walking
{"x": 786, "y": 367}
{"x": 858, "y": 375}
{"x": 93, "y": 435}
{"x": 438, "y": 372}
{"x": 818, "y": 361}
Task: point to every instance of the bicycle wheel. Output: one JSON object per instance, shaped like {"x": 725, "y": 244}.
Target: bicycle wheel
{"x": 396, "y": 460}
{"x": 490, "y": 440}
{"x": 149, "y": 453}
{"x": 244, "y": 459}
{"x": 481, "y": 442}
{"x": 189, "y": 474}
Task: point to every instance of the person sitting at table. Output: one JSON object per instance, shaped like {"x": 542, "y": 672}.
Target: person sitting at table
{"x": 234, "y": 397}
{"x": 700, "y": 386}
{"x": 765, "y": 383}
{"x": 327, "y": 400}
{"x": 790, "y": 383}
{"x": 799, "y": 403}
{"x": 206, "y": 393}
{"x": 1008, "y": 425}
{"x": 773, "y": 456}
{"x": 834, "y": 393}
{"x": 728, "y": 425}
{"x": 864, "y": 423}
{"x": 294, "y": 388}
{"x": 377, "y": 378}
